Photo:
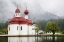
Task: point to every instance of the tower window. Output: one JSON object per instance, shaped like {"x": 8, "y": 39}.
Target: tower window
{"x": 18, "y": 14}
{"x": 17, "y": 27}
{"x": 9, "y": 28}
{"x": 21, "y": 27}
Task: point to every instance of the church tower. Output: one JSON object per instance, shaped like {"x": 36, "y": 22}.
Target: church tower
{"x": 26, "y": 13}
{"x": 17, "y": 12}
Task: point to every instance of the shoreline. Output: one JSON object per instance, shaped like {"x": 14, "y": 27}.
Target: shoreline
{"x": 5, "y": 35}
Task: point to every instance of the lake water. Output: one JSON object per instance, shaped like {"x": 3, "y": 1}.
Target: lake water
{"x": 31, "y": 39}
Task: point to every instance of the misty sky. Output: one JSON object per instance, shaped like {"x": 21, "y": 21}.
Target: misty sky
{"x": 54, "y": 6}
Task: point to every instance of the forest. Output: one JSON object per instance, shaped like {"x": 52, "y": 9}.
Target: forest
{"x": 60, "y": 23}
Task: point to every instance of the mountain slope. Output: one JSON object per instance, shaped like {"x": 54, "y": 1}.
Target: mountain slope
{"x": 45, "y": 16}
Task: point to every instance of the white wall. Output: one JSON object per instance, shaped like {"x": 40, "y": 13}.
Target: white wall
{"x": 31, "y": 30}
{"x": 13, "y": 29}
{"x": 26, "y": 30}
{"x": 17, "y": 14}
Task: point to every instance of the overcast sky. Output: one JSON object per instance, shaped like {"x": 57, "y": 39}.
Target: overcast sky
{"x": 53, "y": 6}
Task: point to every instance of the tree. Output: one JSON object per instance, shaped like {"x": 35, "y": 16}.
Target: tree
{"x": 63, "y": 32}
{"x": 4, "y": 30}
{"x": 37, "y": 28}
{"x": 52, "y": 26}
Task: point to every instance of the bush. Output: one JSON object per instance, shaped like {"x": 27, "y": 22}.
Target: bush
{"x": 63, "y": 32}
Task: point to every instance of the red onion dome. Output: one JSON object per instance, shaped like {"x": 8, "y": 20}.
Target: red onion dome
{"x": 26, "y": 12}
{"x": 17, "y": 11}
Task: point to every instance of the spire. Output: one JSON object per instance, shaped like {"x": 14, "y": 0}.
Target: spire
{"x": 26, "y": 6}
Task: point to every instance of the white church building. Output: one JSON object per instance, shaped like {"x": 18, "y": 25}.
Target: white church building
{"x": 21, "y": 25}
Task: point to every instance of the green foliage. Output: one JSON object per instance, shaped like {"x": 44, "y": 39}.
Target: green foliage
{"x": 3, "y": 27}
{"x": 51, "y": 26}
{"x": 42, "y": 23}
{"x": 4, "y": 31}
{"x": 37, "y": 27}
{"x": 63, "y": 32}
{"x": 60, "y": 23}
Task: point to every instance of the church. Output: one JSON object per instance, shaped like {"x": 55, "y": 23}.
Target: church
{"x": 19, "y": 25}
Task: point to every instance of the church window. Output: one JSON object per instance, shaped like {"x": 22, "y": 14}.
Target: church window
{"x": 21, "y": 27}
{"x": 18, "y": 14}
{"x": 17, "y": 27}
{"x": 33, "y": 29}
{"x": 9, "y": 28}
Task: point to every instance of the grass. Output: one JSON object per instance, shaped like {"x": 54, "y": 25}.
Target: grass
{"x": 52, "y": 35}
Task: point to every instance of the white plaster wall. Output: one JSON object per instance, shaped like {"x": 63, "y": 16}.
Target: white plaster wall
{"x": 31, "y": 30}
{"x": 26, "y": 16}
{"x": 17, "y": 14}
{"x": 34, "y": 29}
{"x": 24, "y": 30}
{"x": 13, "y": 29}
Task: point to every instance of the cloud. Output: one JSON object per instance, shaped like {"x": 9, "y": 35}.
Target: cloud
{"x": 53, "y": 6}
{"x": 35, "y": 7}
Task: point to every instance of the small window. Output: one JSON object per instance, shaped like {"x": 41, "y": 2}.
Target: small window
{"x": 18, "y": 14}
{"x": 17, "y": 27}
{"x": 21, "y": 27}
{"x": 9, "y": 28}
{"x": 33, "y": 29}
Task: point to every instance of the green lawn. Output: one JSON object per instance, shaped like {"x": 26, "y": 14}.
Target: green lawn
{"x": 51, "y": 34}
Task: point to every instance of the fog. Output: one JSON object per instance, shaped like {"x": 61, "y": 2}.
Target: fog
{"x": 35, "y": 7}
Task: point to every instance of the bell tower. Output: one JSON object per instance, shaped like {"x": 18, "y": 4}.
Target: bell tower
{"x": 26, "y": 13}
{"x": 17, "y": 12}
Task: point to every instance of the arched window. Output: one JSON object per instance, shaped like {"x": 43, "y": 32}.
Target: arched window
{"x": 18, "y": 14}
{"x": 21, "y": 27}
{"x": 9, "y": 28}
{"x": 17, "y": 27}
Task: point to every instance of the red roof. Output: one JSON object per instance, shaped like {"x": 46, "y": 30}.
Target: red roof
{"x": 28, "y": 21}
{"x": 17, "y": 11}
{"x": 19, "y": 20}
{"x": 26, "y": 12}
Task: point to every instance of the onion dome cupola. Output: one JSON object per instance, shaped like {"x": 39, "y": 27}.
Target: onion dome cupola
{"x": 17, "y": 12}
{"x": 26, "y": 13}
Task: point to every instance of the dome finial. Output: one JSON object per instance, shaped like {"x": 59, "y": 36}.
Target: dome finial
{"x": 26, "y": 7}
{"x": 17, "y": 6}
